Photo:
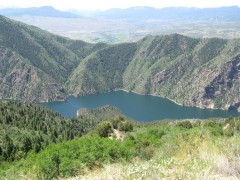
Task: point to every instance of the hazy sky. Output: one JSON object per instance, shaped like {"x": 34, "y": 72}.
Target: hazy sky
{"x": 106, "y": 4}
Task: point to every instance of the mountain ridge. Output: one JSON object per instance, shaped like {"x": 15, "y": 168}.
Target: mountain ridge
{"x": 143, "y": 13}
{"x": 45, "y": 11}
{"x": 133, "y": 13}
{"x": 172, "y": 66}
{"x": 135, "y": 23}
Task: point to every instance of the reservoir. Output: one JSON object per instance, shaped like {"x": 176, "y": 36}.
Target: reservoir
{"x": 138, "y": 107}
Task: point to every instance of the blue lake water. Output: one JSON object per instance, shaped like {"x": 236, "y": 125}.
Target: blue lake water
{"x": 138, "y": 107}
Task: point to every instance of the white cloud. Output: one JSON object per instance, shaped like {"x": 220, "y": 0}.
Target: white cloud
{"x": 106, "y": 4}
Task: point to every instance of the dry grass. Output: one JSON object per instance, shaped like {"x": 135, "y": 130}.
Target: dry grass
{"x": 202, "y": 158}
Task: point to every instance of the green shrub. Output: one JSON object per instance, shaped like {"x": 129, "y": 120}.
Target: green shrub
{"x": 103, "y": 129}
{"x": 185, "y": 124}
{"x": 157, "y": 132}
{"x": 214, "y": 127}
{"x": 216, "y": 130}
{"x": 229, "y": 132}
{"x": 90, "y": 151}
{"x": 211, "y": 123}
{"x": 116, "y": 120}
{"x": 197, "y": 123}
{"x": 234, "y": 123}
{"x": 125, "y": 126}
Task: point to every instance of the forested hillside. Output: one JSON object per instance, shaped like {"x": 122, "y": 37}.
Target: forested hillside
{"x": 36, "y": 143}
{"x": 195, "y": 72}
{"x": 102, "y": 71}
{"x": 198, "y": 72}
{"x": 39, "y": 66}
{"x": 25, "y": 127}
{"x": 36, "y": 64}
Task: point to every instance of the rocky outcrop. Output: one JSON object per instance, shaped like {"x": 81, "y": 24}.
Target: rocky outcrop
{"x": 224, "y": 90}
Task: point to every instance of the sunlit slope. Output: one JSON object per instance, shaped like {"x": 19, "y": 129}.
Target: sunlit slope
{"x": 36, "y": 63}
{"x": 39, "y": 66}
{"x": 199, "y": 72}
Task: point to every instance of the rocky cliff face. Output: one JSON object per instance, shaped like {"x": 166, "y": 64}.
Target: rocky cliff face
{"x": 217, "y": 87}
{"x": 20, "y": 80}
{"x": 196, "y": 72}
{"x": 224, "y": 90}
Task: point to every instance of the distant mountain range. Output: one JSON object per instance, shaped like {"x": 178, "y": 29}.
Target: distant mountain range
{"x": 45, "y": 11}
{"x": 130, "y": 25}
{"x": 134, "y": 13}
{"x": 39, "y": 66}
{"x": 142, "y": 13}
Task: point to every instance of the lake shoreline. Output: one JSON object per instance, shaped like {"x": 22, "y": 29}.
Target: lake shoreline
{"x": 169, "y": 99}
{"x": 135, "y": 92}
{"x": 137, "y": 106}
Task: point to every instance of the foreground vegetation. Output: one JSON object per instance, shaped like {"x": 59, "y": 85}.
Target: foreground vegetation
{"x": 115, "y": 148}
{"x": 29, "y": 127}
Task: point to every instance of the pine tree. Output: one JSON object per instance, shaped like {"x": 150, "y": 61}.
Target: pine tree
{"x": 9, "y": 149}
